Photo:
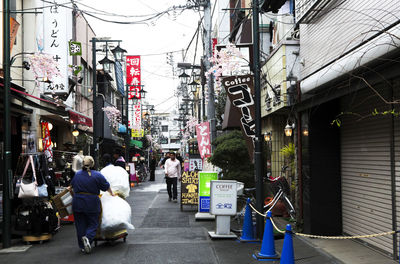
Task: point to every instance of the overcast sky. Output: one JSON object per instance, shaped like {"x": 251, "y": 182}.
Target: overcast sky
{"x": 169, "y": 33}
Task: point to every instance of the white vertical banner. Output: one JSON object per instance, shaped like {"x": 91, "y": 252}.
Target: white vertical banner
{"x": 55, "y": 37}
{"x": 137, "y": 118}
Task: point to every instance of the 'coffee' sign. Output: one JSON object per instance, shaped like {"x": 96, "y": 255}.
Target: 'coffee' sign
{"x": 240, "y": 90}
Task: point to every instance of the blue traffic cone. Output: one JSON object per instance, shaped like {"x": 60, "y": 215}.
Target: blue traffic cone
{"x": 248, "y": 228}
{"x": 267, "y": 252}
{"x": 287, "y": 250}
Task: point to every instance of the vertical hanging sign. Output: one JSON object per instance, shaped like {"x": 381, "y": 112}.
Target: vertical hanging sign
{"x": 46, "y": 141}
{"x": 203, "y": 139}
{"x": 133, "y": 80}
{"x": 133, "y": 76}
{"x": 56, "y": 44}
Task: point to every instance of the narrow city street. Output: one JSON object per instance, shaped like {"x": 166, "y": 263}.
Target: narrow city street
{"x": 163, "y": 234}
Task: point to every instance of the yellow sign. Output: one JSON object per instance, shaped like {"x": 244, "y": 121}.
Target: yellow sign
{"x": 189, "y": 188}
{"x": 137, "y": 133}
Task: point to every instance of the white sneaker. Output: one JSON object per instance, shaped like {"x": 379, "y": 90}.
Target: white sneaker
{"x": 86, "y": 244}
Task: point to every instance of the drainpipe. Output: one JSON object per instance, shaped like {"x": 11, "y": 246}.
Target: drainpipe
{"x": 393, "y": 181}
{"x": 299, "y": 156}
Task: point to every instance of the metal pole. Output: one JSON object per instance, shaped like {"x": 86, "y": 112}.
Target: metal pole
{"x": 7, "y": 174}
{"x": 203, "y": 99}
{"x": 95, "y": 110}
{"x": 210, "y": 83}
{"x": 127, "y": 137}
{"x": 258, "y": 157}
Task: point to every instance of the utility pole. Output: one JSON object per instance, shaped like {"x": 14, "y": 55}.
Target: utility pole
{"x": 7, "y": 173}
{"x": 258, "y": 141}
{"x": 95, "y": 108}
{"x": 208, "y": 50}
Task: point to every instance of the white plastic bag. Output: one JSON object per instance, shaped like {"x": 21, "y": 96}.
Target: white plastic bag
{"x": 118, "y": 179}
{"x": 116, "y": 214}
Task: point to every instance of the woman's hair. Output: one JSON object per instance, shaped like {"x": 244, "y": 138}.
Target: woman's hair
{"x": 88, "y": 163}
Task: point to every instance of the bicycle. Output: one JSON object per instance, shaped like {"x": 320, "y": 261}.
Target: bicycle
{"x": 281, "y": 190}
{"x": 142, "y": 172}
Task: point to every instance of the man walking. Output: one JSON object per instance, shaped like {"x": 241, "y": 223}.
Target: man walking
{"x": 172, "y": 173}
{"x": 152, "y": 167}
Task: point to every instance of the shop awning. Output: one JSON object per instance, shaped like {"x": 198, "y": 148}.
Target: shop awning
{"x": 79, "y": 118}
{"x": 136, "y": 143}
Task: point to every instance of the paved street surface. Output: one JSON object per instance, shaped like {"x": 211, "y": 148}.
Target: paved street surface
{"x": 163, "y": 234}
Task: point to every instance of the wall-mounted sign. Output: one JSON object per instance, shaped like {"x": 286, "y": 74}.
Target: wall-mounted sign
{"x": 75, "y": 48}
{"x": 205, "y": 179}
{"x": 56, "y": 44}
{"x": 223, "y": 197}
{"x": 203, "y": 139}
{"x": 189, "y": 188}
{"x": 119, "y": 76}
{"x": 46, "y": 141}
{"x": 240, "y": 90}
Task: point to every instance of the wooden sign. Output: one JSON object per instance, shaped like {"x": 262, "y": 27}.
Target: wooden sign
{"x": 190, "y": 188}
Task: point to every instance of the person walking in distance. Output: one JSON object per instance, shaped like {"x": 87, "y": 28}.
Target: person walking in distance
{"x": 153, "y": 164}
{"x": 172, "y": 173}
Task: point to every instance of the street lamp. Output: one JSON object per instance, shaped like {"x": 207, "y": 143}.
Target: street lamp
{"x": 185, "y": 77}
{"x": 118, "y": 53}
{"x": 106, "y": 62}
{"x": 193, "y": 86}
{"x": 152, "y": 110}
{"x": 267, "y": 136}
{"x": 288, "y": 130}
{"x": 142, "y": 93}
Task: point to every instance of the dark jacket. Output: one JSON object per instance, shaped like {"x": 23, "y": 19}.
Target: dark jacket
{"x": 86, "y": 191}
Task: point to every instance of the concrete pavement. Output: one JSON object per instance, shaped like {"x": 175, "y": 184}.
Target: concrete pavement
{"x": 163, "y": 234}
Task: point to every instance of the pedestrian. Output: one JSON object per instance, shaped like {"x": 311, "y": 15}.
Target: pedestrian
{"x": 107, "y": 159}
{"x": 179, "y": 157}
{"x": 172, "y": 173}
{"x": 86, "y": 206}
{"x": 152, "y": 167}
{"x": 164, "y": 159}
{"x": 119, "y": 159}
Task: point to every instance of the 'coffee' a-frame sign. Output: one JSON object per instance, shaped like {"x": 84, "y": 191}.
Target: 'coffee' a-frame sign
{"x": 240, "y": 90}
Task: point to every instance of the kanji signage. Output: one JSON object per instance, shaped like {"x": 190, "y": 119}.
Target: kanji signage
{"x": 240, "y": 91}
{"x": 133, "y": 76}
{"x": 56, "y": 44}
{"x": 46, "y": 141}
{"x": 136, "y": 121}
{"x": 78, "y": 118}
{"x": 189, "y": 188}
{"x": 203, "y": 139}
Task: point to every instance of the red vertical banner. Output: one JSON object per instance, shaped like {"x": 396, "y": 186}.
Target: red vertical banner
{"x": 203, "y": 139}
{"x": 133, "y": 77}
{"x": 46, "y": 141}
{"x": 214, "y": 44}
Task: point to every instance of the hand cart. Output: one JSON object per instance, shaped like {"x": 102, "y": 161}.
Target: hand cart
{"x": 111, "y": 237}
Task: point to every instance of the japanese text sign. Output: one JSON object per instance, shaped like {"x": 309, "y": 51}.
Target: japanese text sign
{"x": 203, "y": 139}
{"x": 189, "y": 188}
{"x": 133, "y": 76}
{"x": 204, "y": 189}
{"x": 46, "y": 141}
{"x": 56, "y": 43}
{"x": 240, "y": 91}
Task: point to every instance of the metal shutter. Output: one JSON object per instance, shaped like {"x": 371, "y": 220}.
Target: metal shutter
{"x": 365, "y": 168}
